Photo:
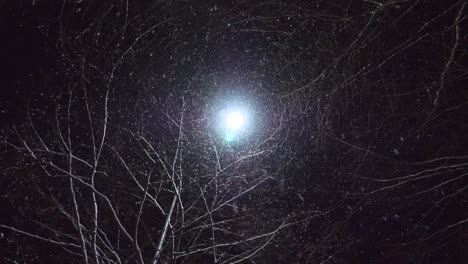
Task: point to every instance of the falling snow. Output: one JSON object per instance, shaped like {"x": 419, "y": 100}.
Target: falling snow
{"x": 233, "y": 132}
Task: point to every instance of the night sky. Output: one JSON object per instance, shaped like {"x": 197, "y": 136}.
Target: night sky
{"x": 238, "y": 131}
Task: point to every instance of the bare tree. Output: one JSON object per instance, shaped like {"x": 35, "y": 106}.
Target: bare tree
{"x": 135, "y": 193}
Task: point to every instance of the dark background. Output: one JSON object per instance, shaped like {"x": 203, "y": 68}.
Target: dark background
{"x": 354, "y": 81}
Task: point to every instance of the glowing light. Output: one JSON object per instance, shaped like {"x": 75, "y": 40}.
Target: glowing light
{"x": 229, "y": 137}
{"x": 235, "y": 121}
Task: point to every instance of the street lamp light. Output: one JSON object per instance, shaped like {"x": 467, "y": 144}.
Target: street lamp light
{"x": 234, "y": 122}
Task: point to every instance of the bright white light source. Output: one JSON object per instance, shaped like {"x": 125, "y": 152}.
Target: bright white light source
{"x": 235, "y": 121}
